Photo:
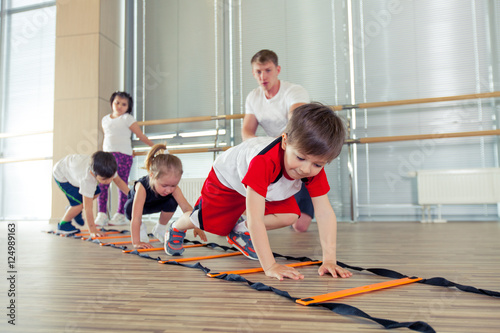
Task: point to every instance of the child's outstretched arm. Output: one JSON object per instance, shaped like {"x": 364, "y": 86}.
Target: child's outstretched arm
{"x": 121, "y": 185}
{"x": 137, "y": 131}
{"x": 135, "y": 224}
{"x": 256, "y": 205}
{"x": 186, "y": 207}
{"x": 181, "y": 200}
{"x": 327, "y": 228}
{"x": 88, "y": 210}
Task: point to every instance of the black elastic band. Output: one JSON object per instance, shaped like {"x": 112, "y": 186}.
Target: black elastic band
{"x": 442, "y": 282}
{"x": 435, "y": 281}
{"x": 339, "y": 308}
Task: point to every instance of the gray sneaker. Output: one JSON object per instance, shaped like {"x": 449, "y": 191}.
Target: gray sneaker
{"x": 174, "y": 240}
{"x": 243, "y": 243}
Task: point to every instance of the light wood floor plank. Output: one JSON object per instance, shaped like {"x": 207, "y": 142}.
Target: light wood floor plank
{"x": 67, "y": 285}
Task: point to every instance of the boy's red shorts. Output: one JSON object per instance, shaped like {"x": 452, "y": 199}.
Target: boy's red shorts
{"x": 219, "y": 207}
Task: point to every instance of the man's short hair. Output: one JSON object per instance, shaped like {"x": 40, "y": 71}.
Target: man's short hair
{"x": 264, "y": 56}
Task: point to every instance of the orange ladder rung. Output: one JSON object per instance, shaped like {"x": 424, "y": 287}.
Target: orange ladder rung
{"x": 201, "y": 258}
{"x": 107, "y": 237}
{"x": 357, "y": 290}
{"x": 161, "y": 248}
{"x": 260, "y": 269}
{"x": 126, "y": 242}
{"x": 106, "y": 233}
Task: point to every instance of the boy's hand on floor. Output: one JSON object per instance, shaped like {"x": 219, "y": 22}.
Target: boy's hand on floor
{"x": 281, "y": 271}
{"x": 143, "y": 245}
{"x": 96, "y": 233}
{"x": 334, "y": 269}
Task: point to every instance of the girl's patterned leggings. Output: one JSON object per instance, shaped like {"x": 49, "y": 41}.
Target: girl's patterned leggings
{"x": 124, "y": 165}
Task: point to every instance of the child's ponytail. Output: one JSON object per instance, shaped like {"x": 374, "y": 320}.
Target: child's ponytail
{"x": 158, "y": 148}
{"x": 160, "y": 162}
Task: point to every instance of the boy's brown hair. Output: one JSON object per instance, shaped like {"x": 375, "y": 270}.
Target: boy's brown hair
{"x": 315, "y": 129}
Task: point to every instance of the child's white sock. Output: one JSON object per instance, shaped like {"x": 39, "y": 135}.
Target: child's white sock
{"x": 159, "y": 231}
{"x": 241, "y": 225}
{"x": 144, "y": 233}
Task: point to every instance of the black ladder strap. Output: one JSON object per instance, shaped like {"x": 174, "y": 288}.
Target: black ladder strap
{"x": 435, "y": 281}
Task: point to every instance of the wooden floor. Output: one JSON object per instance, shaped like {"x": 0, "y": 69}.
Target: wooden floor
{"x": 68, "y": 285}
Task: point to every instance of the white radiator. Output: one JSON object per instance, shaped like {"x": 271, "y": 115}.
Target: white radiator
{"x": 191, "y": 188}
{"x": 462, "y": 186}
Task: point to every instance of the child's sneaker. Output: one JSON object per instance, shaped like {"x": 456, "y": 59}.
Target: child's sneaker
{"x": 144, "y": 233}
{"x": 174, "y": 240}
{"x": 67, "y": 229}
{"x": 101, "y": 219}
{"x": 242, "y": 241}
{"x": 118, "y": 219}
{"x": 159, "y": 231}
{"x": 78, "y": 220}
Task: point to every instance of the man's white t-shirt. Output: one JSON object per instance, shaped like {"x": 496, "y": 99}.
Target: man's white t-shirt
{"x": 272, "y": 114}
{"x": 117, "y": 133}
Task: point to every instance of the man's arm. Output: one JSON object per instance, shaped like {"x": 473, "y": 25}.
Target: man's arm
{"x": 249, "y": 127}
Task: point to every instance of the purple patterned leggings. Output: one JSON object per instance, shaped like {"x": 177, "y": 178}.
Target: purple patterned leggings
{"x": 124, "y": 165}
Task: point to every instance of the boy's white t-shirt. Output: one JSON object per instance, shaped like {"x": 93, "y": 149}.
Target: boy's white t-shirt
{"x": 75, "y": 169}
{"x": 232, "y": 166}
{"x": 259, "y": 161}
{"x": 117, "y": 133}
{"x": 272, "y": 114}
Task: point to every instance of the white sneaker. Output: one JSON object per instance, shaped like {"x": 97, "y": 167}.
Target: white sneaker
{"x": 159, "y": 231}
{"x": 118, "y": 219}
{"x": 144, "y": 233}
{"x": 101, "y": 219}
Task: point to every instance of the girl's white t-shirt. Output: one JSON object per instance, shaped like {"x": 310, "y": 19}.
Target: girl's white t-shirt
{"x": 117, "y": 133}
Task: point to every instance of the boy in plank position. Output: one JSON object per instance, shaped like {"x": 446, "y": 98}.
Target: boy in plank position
{"x": 261, "y": 175}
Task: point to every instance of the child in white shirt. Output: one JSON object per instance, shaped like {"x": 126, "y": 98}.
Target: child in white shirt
{"x": 118, "y": 127}
{"x": 78, "y": 177}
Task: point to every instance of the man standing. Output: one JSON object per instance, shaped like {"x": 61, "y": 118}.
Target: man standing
{"x": 271, "y": 105}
